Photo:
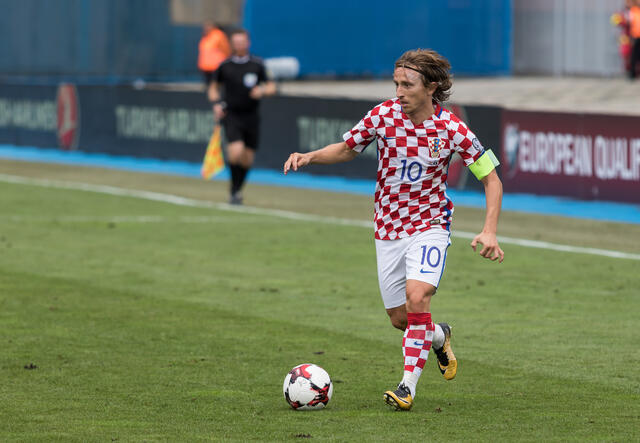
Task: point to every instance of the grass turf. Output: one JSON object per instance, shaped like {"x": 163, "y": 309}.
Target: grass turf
{"x": 182, "y": 328}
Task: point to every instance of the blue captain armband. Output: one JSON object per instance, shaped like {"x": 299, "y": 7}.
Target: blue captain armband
{"x": 486, "y": 163}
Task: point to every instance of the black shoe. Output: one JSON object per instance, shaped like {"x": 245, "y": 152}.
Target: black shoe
{"x": 235, "y": 199}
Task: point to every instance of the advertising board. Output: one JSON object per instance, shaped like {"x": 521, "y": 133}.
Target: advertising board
{"x": 576, "y": 155}
{"x": 170, "y": 125}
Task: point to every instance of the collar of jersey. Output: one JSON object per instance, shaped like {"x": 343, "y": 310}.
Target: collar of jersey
{"x": 244, "y": 59}
{"x": 437, "y": 111}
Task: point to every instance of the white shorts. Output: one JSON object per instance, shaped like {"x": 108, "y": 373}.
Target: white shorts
{"x": 419, "y": 257}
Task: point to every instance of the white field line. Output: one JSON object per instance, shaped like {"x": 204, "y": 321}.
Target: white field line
{"x": 183, "y": 201}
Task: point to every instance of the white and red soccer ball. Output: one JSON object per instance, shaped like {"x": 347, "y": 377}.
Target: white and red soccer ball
{"x": 307, "y": 387}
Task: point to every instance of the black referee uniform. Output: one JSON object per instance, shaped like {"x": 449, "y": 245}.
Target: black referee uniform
{"x": 236, "y": 77}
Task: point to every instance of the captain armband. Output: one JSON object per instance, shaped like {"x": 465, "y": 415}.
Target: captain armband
{"x": 486, "y": 163}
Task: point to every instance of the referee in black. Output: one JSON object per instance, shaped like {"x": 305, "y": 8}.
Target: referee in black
{"x": 237, "y": 87}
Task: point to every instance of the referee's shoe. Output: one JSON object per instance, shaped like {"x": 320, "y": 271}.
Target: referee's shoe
{"x": 400, "y": 399}
{"x": 447, "y": 362}
{"x": 235, "y": 198}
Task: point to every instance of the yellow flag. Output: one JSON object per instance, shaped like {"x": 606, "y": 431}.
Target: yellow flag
{"x": 213, "y": 161}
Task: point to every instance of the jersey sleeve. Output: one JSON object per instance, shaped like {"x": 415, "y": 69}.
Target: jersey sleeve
{"x": 464, "y": 141}
{"x": 363, "y": 133}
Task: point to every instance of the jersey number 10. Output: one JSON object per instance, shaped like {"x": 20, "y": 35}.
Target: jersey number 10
{"x": 413, "y": 170}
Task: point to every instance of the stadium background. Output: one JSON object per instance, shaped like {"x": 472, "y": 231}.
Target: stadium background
{"x": 93, "y": 90}
{"x": 130, "y": 87}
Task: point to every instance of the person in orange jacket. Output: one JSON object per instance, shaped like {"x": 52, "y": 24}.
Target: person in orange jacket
{"x": 621, "y": 20}
{"x": 213, "y": 49}
{"x": 634, "y": 32}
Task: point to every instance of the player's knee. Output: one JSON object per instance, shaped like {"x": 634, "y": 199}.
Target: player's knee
{"x": 418, "y": 297}
{"x": 399, "y": 322}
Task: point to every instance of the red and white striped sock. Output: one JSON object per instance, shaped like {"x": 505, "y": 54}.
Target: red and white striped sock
{"x": 416, "y": 344}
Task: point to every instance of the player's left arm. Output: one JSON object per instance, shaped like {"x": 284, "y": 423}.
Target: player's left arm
{"x": 482, "y": 163}
{"x": 487, "y": 238}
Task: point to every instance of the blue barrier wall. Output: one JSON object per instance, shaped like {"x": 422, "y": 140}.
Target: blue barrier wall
{"x": 120, "y": 40}
{"x": 337, "y": 37}
{"x": 94, "y": 41}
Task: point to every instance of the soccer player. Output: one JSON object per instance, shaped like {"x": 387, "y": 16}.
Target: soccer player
{"x": 416, "y": 138}
{"x": 237, "y": 87}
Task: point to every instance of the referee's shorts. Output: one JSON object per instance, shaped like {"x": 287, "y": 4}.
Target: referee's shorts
{"x": 242, "y": 126}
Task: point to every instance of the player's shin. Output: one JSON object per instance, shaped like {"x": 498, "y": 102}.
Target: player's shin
{"x": 416, "y": 344}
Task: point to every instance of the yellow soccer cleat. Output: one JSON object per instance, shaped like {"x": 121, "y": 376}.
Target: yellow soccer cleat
{"x": 447, "y": 362}
{"x": 400, "y": 399}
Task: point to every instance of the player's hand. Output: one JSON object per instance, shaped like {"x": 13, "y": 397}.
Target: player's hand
{"x": 295, "y": 161}
{"x": 218, "y": 112}
{"x": 490, "y": 247}
{"x": 256, "y": 93}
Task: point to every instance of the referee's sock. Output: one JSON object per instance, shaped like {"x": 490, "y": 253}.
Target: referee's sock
{"x": 242, "y": 175}
{"x": 235, "y": 178}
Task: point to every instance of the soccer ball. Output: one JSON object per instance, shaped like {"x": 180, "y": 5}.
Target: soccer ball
{"x": 307, "y": 386}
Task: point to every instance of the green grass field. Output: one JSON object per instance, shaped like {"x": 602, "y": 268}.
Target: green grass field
{"x": 124, "y": 319}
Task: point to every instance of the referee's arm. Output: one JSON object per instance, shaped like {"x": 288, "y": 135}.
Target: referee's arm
{"x": 263, "y": 90}
{"x": 216, "y": 100}
{"x": 214, "y": 92}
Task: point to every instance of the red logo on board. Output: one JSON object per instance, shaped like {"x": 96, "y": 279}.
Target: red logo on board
{"x": 68, "y": 109}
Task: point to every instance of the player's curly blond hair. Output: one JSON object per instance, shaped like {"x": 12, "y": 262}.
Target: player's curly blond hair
{"x": 433, "y": 67}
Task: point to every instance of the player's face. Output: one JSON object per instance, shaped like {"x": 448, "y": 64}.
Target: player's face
{"x": 240, "y": 44}
{"x": 411, "y": 91}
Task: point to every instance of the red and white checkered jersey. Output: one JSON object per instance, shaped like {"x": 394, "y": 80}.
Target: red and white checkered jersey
{"x": 413, "y": 161}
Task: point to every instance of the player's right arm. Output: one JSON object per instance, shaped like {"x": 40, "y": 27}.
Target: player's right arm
{"x": 330, "y": 154}
{"x": 355, "y": 141}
